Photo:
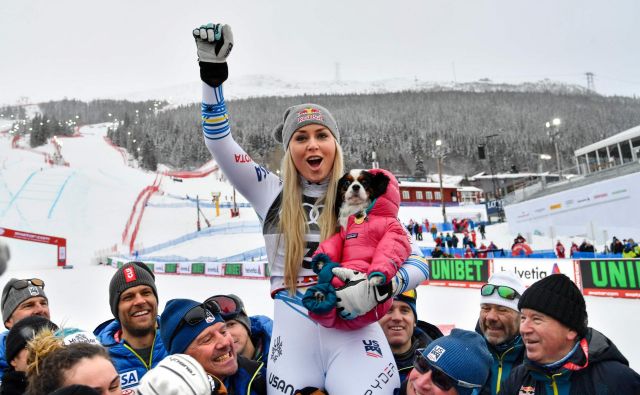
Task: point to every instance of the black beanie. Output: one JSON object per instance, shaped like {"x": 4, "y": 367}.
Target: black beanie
{"x": 129, "y": 275}
{"x": 558, "y": 297}
{"x": 23, "y": 331}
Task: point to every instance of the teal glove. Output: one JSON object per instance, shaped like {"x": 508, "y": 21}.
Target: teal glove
{"x": 214, "y": 43}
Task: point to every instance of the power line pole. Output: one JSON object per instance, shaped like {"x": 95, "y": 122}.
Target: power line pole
{"x": 591, "y": 88}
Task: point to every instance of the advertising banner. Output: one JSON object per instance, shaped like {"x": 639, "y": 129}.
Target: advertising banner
{"x": 619, "y": 278}
{"x": 158, "y": 267}
{"x": 253, "y": 269}
{"x": 532, "y": 270}
{"x": 233, "y": 269}
{"x": 213, "y": 269}
{"x": 465, "y": 273}
{"x": 184, "y": 268}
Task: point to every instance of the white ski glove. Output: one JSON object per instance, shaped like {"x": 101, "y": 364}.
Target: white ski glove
{"x": 358, "y": 296}
{"x": 214, "y": 43}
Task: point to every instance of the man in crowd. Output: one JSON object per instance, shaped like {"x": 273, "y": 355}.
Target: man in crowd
{"x": 564, "y": 355}
{"x": 499, "y": 323}
{"x": 251, "y": 335}
{"x": 454, "y": 364}
{"x": 20, "y": 299}
{"x": 198, "y": 330}
{"x": 132, "y": 337}
{"x": 14, "y": 380}
{"x": 405, "y": 333}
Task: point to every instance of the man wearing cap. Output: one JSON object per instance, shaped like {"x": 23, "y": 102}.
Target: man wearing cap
{"x": 454, "y": 364}
{"x": 21, "y": 298}
{"x": 132, "y": 337}
{"x": 251, "y": 335}
{"x": 564, "y": 355}
{"x": 14, "y": 380}
{"x": 405, "y": 333}
{"x": 499, "y": 324}
{"x": 198, "y": 330}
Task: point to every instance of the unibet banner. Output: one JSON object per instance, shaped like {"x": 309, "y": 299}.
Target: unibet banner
{"x": 618, "y": 278}
{"x": 466, "y": 273}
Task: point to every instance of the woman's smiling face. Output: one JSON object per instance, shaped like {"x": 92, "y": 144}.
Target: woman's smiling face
{"x": 313, "y": 150}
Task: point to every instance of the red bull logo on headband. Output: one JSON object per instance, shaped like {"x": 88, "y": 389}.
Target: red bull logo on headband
{"x": 310, "y": 114}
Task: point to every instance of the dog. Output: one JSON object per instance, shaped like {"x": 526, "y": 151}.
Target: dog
{"x": 357, "y": 189}
{"x": 371, "y": 245}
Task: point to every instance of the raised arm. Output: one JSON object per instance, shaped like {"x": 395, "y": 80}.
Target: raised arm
{"x": 259, "y": 186}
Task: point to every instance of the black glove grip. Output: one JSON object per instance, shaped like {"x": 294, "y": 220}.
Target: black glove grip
{"x": 213, "y": 74}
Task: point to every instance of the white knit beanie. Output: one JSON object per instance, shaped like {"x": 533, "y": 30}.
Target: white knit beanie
{"x": 508, "y": 279}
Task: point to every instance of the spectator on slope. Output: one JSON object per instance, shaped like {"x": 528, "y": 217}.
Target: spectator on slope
{"x": 482, "y": 229}
{"x": 198, "y": 330}
{"x": 560, "y": 252}
{"x": 14, "y": 381}
{"x": 21, "y": 298}
{"x": 457, "y": 364}
{"x": 405, "y": 333}
{"x": 574, "y": 249}
{"x": 499, "y": 324}
{"x": 437, "y": 252}
{"x": 563, "y": 354}
{"x": 417, "y": 230}
{"x": 132, "y": 338}
{"x": 469, "y": 253}
{"x": 454, "y": 240}
{"x": 434, "y": 231}
{"x": 474, "y": 237}
{"x": 448, "y": 240}
{"x": 631, "y": 249}
{"x": 251, "y": 335}
{"x": 481, "y": 252}
{"x": 616, "y": 246}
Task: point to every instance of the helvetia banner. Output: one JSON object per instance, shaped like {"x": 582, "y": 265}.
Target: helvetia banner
{"x": 618, "y": 278}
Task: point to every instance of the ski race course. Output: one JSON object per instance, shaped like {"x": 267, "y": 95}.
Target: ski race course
{"x": 105, "y": 207}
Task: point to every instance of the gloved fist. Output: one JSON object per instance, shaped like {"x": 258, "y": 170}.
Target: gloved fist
{"x": 358, "y": 296}
{"x": 214, "y": 42}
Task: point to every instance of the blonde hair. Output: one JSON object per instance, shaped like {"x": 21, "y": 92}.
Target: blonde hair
{"x": 293, "y": 219}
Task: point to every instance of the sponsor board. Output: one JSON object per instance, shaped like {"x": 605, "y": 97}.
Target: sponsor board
{"x": 253, "y": 269}
{"x": 463, "y": 273}
{"x": 184, "y": 268}
{"x": 158, "y": 267}
{"x": 532, "y": 270}
{"x": 618, "y": 278}
{"x": 213, "y": 269}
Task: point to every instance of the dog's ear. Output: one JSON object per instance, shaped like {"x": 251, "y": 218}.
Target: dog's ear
{"x": 343, "y": 184}
{"x": 379, "y": 184}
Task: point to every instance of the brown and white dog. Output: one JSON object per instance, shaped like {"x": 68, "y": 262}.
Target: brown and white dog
{"x": 356, "y": 190}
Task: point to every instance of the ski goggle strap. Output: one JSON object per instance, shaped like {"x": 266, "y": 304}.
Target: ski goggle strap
{"x": 503, "y": 291}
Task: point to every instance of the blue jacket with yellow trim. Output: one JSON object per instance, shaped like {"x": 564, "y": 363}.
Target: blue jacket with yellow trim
{"x": 248, "y": 380}
{"x": 607, "y": 373}
{"x": 128, "y": 364}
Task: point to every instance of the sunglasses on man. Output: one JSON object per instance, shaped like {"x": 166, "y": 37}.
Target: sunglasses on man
{"x": 503, "y": 291}
{"x": 196, "y": 315}
{"x": 438, "y": 377}
{"x": 22, "y": 284}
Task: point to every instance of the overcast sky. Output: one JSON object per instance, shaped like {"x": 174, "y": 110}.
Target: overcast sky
{"x": 50, "y": 49}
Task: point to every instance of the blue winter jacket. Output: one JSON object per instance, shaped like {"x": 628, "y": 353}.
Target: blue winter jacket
{"x": 129, "y": 365}
{"x": 505, "y": 359}
{"x": 3, "y": 353}
{"x": 261, "y": 327}
{"x": 248, "y": 380}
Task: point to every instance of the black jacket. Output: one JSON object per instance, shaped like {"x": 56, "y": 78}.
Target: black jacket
{"x": 423, "y": 334}
{"x": 607, "y": 373}
{"x": 13, "y": 383}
